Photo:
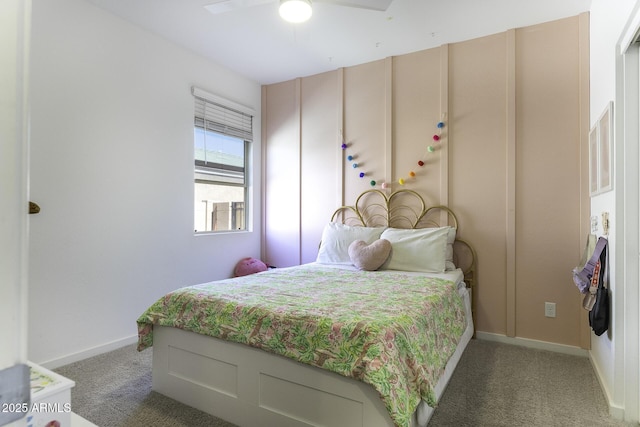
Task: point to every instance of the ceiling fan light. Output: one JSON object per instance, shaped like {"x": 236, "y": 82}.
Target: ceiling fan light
{"x": 295, "y": 11}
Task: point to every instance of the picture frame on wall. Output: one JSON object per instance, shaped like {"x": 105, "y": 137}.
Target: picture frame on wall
{"x": 593, "y": 161}
{"x": 600, "y": 153}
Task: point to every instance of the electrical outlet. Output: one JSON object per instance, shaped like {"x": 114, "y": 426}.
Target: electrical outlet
{"x": 550, "y": 309}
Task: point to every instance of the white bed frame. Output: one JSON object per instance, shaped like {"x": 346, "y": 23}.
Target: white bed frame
{"x": 251, "y": 387}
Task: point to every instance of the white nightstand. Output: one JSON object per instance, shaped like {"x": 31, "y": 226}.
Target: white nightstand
{"x": 50, "y": 398}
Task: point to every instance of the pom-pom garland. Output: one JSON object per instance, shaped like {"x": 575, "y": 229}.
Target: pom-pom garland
{"x": 351, "y": 157}
{"x": 412, "y": 174}
{"x": 430, "y": 149}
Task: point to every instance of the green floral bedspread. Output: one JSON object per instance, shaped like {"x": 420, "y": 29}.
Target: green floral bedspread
{"x": 391, "y": 330}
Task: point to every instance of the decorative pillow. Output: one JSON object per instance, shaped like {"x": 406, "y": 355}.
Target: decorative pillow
{"x": 336, "y": 238}
{"x": 421, "y": 250}
{"x": 248, "y": 266}
{"x": 369, "y": 257}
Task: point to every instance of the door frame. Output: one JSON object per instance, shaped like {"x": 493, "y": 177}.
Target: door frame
{"x": 14, "y": 56}
{"x": 626, "y": 319}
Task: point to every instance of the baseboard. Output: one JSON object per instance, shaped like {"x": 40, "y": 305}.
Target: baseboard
{"x": 540, "y": 345}
{"x": 90, "y": 352}
{"x": 615, "y": 411}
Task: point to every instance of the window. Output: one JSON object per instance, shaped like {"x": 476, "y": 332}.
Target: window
{"x": 222, "y": 138}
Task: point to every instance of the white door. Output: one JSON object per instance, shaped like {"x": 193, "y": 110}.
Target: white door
{"x": 15, "y": 17}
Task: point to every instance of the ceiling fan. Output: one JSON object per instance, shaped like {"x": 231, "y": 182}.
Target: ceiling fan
{"x": 295, "y": 10}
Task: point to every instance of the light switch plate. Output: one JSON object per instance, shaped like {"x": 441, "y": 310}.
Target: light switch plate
{"x": 605, "y": 223}
{"x": 15, "y": 393}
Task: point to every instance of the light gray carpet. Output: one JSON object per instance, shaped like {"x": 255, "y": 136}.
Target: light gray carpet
{"x": 494, "y": 385}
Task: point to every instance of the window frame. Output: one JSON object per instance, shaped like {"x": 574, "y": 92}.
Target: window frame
{"x": 243, "y": 132}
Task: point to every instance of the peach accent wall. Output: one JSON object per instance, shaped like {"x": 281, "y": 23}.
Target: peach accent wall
{"x": 365, "y": 126}
{"x": 281, "y": 173}
{"x": 319, "y": 178}
{"x": 510, "y": 161}
{"x": 415, "y": 114}
{"x": 478, "y": 182}
{"x": 548, "y": 181}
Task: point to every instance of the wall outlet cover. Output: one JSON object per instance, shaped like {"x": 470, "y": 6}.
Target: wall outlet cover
{"x": 550, "y": 309}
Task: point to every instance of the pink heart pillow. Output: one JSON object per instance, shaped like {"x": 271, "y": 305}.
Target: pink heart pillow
{"x": 369, "y": 257}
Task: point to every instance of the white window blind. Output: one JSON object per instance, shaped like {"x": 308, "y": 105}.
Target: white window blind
{"x": 216, "y": 114}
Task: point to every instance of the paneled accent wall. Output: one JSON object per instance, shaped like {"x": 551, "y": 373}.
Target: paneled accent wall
{"x": 282, "y": 173}
{"x": 320, "y": 123}
{"x": 479, "y": 102}
{"x": 511, "y": 161}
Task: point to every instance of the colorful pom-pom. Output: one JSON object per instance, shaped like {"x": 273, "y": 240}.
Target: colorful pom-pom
{"x": 355, "y": 165}
{"x": 440, "y": 125}
{"x": 361, "y": 174}
{"x": 349, "y": 157}
{"x": 420, "y": 163}
{"x": 431, "y": 149}
{"x": 373, "y": 183}
{"x": 412, "y": 174}
{"x": 436, "y": 137}
{"x": 384, "y": 185}
{"x": 343, "y": 146}
{"x": 401, "y": 181}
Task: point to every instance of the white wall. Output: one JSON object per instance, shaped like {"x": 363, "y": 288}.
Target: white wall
{"x": 608, "y": 351}
{"x": 112, "y": 169}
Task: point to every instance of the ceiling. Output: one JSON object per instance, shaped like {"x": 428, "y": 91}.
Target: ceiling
{"x": 258, "y": 44}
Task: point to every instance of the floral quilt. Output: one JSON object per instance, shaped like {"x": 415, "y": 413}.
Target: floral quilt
{"x": 392, "y": 330}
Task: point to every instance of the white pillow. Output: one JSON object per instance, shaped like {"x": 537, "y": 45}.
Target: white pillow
{"x": 421, "y": 250}
{"x": 336, "y": 238}
{"x": 451, "y": 237}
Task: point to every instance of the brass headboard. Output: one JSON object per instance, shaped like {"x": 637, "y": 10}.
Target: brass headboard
{"x": 407, "y": 209}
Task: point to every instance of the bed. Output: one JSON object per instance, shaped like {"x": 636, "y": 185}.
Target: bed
{"x": 327, "y": 343}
